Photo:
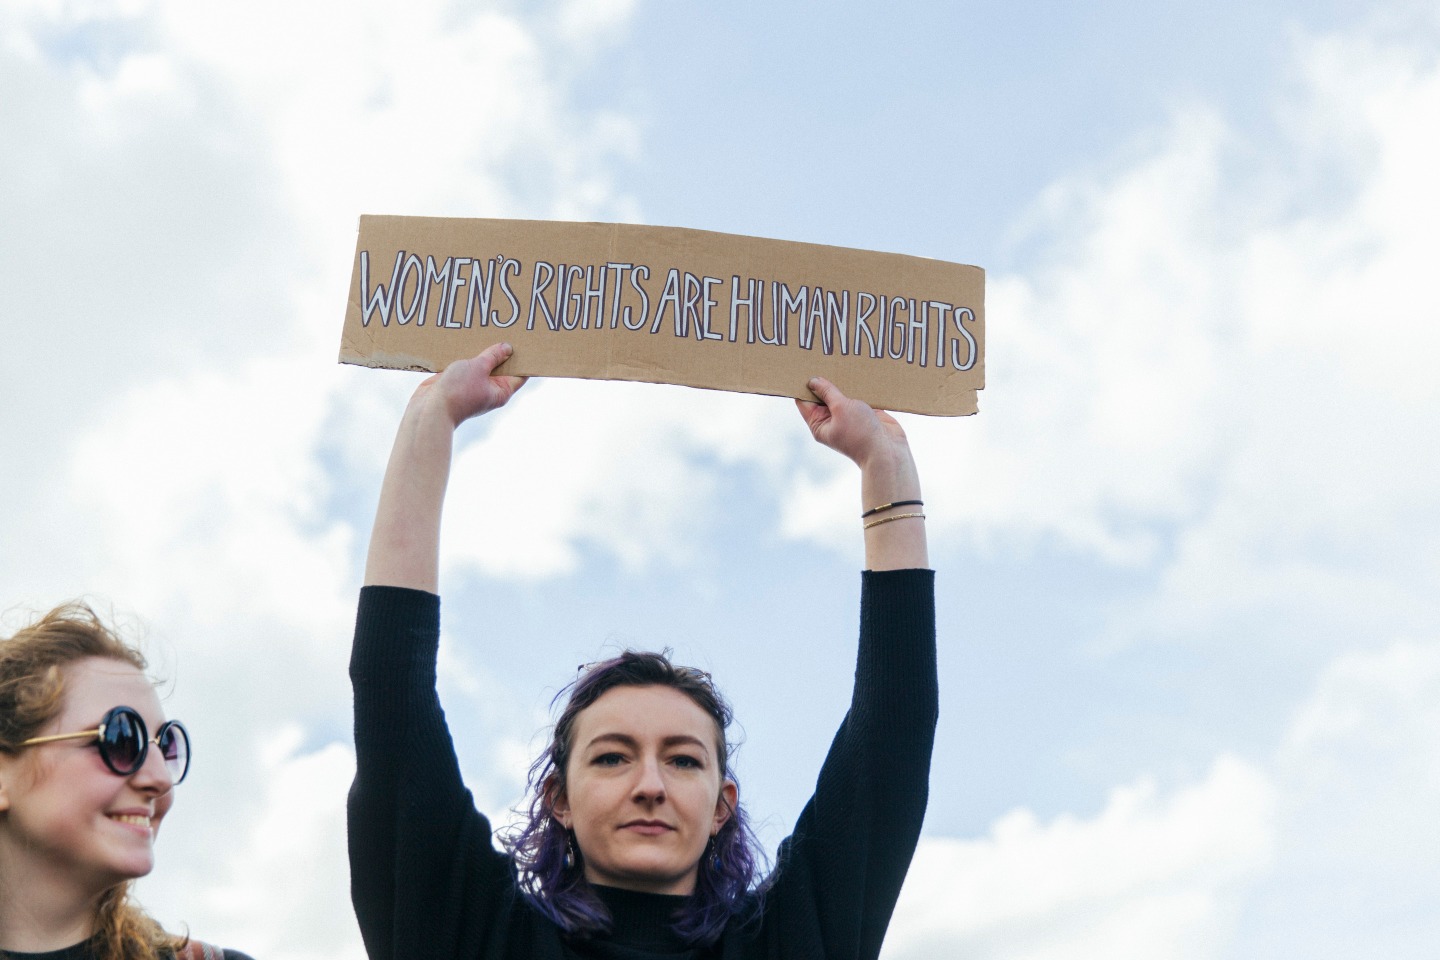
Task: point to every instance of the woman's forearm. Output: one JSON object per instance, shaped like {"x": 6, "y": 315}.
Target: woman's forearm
{"x": 893, "y": 540}
{"x": 405, "y": 542}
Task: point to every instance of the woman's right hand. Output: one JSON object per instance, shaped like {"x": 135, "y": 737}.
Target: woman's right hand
{"x": 468, "y": 388}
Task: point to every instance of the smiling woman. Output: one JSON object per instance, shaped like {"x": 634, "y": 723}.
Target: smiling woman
{"x": 84, "y": 787}
{"x": 637, "y": 845}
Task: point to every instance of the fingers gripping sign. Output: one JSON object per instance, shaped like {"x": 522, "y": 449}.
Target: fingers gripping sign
{"x": 876, "y": 442}
{"x": 848, "y": 426}
{"x": 468, "y": 388}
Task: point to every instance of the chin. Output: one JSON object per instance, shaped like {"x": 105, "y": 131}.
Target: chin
{"x": 132, "y": 868}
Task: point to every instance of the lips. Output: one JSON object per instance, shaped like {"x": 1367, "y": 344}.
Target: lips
{"x": 139, "y": 821}
{"x": 647, "y": 828}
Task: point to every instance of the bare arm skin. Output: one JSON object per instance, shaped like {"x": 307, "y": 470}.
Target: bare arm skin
{"x": 877, "y": 444}
{"x": 405, "y": 542}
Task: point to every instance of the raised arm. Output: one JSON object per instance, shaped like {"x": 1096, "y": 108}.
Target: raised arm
{"x": 426, "y": 880}
{"x": 405, "y": 543}
{"x": 877, "y": 444}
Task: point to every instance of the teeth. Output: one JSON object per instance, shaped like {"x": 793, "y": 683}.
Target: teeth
{"x": 138, "y": 820}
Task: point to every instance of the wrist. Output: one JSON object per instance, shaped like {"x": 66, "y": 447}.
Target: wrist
{"x": 888, "y": 478}
{"x": 430, "y": 410}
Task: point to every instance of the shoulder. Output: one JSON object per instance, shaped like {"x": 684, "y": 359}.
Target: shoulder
{"x": 200, "y": 950}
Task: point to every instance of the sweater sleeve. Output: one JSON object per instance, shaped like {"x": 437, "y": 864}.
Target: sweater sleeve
{"x": 425, "y": 877}
{"x": 838, "y": 875}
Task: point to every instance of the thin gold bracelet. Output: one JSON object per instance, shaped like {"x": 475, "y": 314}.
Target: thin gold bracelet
{"x": 898, "y": 516}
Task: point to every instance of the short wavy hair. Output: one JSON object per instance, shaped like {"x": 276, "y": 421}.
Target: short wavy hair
{"x": 553, "y": 876}
{"x": 32, "y": 691}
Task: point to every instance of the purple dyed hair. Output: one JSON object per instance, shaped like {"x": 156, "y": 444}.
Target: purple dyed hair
{"x": 539, "y": 849}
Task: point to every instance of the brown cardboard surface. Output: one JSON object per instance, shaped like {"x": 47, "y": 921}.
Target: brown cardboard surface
{"x": 614, "y": 301}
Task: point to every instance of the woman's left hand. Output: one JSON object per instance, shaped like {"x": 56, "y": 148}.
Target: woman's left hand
{"x": 851, "y": 427}
{"x": 878, "y": 445}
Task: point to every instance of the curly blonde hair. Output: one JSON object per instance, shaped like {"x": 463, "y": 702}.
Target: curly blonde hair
{"x": 32, "y": 687}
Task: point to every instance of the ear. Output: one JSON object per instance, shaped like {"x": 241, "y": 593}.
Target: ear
{"x": 725, "y": 806}
{"x": 6, "y": 772}
{"x": 558, "y": 802}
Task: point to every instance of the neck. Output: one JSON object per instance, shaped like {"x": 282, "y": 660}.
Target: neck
{"x": 41, "y": 912}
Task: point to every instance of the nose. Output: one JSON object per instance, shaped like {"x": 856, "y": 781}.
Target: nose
{"x": 153, "y": 777}
{"x": 649, "y": 781}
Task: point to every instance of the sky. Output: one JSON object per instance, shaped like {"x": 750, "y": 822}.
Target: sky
{"x": 1187, "y": 551}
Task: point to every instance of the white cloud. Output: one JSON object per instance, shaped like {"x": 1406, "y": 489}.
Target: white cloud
{"x": 205, "y": 489}
{"x": 1328, "y": 849}
{"x": 1358, "y": 856}
{"x": 1149, "y": 876}
{"x": 1202, "y": 323}
{"x": 182, "y": 181}
{"x": 277, "y": 883}
{"x": 175, "y": 201}
{"x": 628, "y": 471}
{"x": 1216, "y": 368}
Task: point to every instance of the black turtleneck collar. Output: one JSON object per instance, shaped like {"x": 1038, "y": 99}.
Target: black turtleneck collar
{"x": 642, "y": 925}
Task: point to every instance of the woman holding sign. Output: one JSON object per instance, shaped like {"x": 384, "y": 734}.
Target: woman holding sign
{"x": 637, "y": 845}
{"x": 88, "y": 769}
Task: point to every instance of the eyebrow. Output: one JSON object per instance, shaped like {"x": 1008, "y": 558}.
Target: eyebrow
{"x": 624, "y": 739}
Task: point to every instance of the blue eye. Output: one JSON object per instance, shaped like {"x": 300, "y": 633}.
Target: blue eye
{"x": 608, "y": 760}
{"x": 688, "y": 763}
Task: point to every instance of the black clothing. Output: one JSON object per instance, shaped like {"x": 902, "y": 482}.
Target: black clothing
{"x": 85, "y": 950}
{"x": 428, "y": 883}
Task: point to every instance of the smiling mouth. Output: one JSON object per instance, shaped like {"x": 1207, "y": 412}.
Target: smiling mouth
{"x": 133, "y": 819}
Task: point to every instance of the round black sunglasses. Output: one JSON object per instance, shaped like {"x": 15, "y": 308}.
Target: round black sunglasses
{"x": 125, "y": 743}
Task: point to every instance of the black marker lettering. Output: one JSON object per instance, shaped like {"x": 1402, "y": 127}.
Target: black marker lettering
{"x": 594, "y": 296}
{"x": 537, "y": 295}
{"x": 837, "y": 316}
{"x": 814, "y": 311}
{"x": 620, "y": 270}
{"x": 943, "y": 309}
{"x": 641, "y": 272}
{"x": 433, "y": 276}
{"x": 919, "y": 331}
{"x": 864, "y": 307}
{"x": 691, "y": 313}
{"x": 505, "y": 268}
{"x": 893, "y": 328}
{"x": 457, "y": 280}
{"x": 707, "y": 304}
{"x": 381, "y": 299}
{"x": 754, "y": 303}
{"x": 670, "y": 295}
{"x": 480, "y": 292}
{"x": 961, "y": 315}
{"x": 403, "y": 316}
{"x": 567, "y": 303}
{"x": 787, "y": 305}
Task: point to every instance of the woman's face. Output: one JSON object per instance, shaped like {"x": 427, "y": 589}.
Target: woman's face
{"x": 644, "y": 789}
{"x": 64, "y": 816}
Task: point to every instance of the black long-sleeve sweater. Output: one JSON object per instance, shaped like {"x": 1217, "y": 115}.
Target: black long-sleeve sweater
{"x": 428, "y": 882}
{"x": 90, "y": 950}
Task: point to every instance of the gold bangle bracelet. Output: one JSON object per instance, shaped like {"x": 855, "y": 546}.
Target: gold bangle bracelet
{"x": 898, "y": 516}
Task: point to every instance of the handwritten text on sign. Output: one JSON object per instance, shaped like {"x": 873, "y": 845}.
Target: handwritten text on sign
{"x": 617, "y": 301}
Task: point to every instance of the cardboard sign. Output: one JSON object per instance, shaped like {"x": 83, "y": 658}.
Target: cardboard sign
{"x": 668, "y": 305}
